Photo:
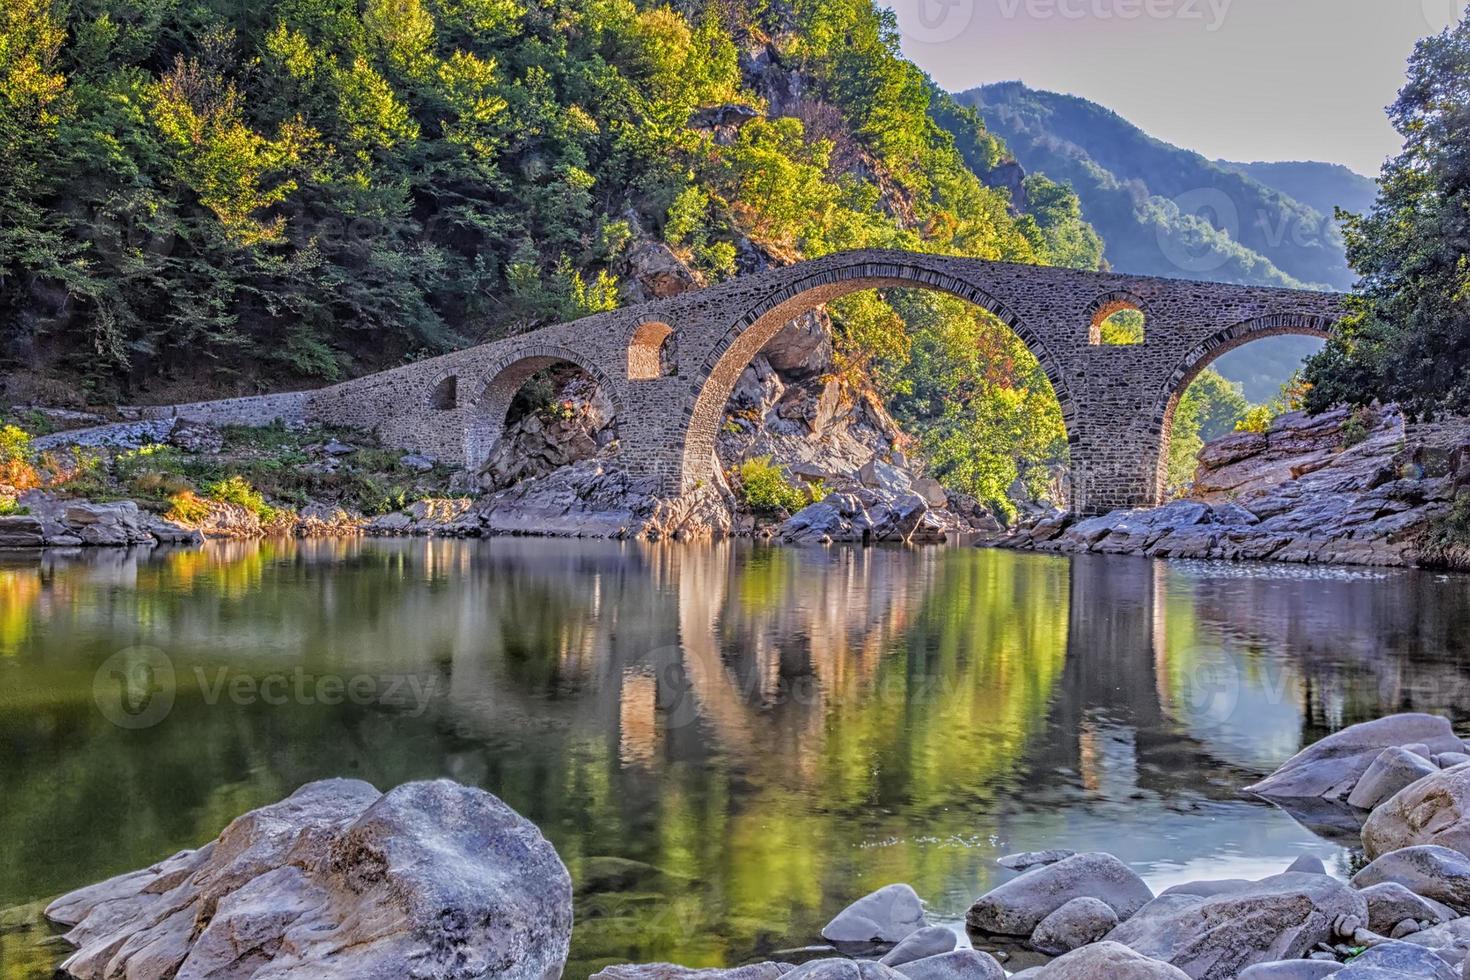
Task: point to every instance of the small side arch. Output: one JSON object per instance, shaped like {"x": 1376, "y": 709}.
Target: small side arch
{"x": 444, "y": 393}
{"x": 1106, "y": 306}
{"x": 504, "y": 378}
{"x": 650, "y": 352}
{"x": 1205, "y": 353}
{"x": 750, "y": 332}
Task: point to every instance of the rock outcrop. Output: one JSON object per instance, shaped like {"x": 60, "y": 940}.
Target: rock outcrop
{"x": 888, "y": 915}
{"x": 1331, "y": 768}
{"x": 432, "y": 880}
{"x": 1352, "y": 487}
{"x": 1214, "y": 938}
{"x": 1434, "y": 809}
{"x": 1017, "y": 907}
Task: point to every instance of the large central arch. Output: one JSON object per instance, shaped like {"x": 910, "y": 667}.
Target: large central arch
{"x": 758, "y": 323}
{"x": 1205, "y": 353}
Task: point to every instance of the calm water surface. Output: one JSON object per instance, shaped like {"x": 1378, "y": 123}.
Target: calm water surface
{"x": 725, "y": 743}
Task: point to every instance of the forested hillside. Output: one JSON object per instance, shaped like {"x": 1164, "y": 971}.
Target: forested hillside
{"x": 217, "y": 197}
{"x": 302, "y": 189}
{"x": 1324, "y": 187}
{"x": 1167, "y": 211}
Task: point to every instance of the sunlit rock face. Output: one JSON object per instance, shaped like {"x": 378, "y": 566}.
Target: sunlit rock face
{"x": 338, "y": 880}
{"x": 1363, "y": 488}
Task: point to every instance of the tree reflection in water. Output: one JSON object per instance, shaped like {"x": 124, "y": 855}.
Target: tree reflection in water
{"x": 725, "y": 742}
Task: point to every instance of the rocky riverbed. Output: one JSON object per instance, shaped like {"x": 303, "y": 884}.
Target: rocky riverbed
{"x": 439, "y": 881}
{"x": 1405, "y": 780}
{"x": 1362, "y": 487}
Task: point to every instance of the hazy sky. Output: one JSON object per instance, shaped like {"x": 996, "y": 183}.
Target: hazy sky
{"x": 1235, "y": 79}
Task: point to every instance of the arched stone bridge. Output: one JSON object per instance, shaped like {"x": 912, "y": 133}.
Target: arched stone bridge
{"x": 669, "y": 366}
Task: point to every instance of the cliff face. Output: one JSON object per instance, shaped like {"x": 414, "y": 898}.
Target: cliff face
{"x": 1361, "y": 487}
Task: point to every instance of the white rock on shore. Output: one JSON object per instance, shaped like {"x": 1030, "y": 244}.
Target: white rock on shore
{"x": 338, "y": 881}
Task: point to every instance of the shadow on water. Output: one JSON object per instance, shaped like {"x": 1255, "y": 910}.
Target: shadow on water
{"x": 726, "y": 743}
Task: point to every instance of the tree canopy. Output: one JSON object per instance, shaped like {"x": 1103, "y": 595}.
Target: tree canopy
{"x": 1408, "y": 338}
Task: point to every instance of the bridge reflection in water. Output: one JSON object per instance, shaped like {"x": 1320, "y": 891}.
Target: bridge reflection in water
{"x": 724, "y": 742}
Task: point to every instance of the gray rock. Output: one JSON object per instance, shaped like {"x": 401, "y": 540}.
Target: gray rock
{"x": 1079, "y": 922}
{"x": 121, "y": 513}
{"x": 1331, "y": 767}
{"x": 1398, "y": 959}
{"x": 194, "y": 436}
{"x": 21, "y": 531}
{"x": 338, "y": 881}
{"x": 1308, "y": 864}
{"x": 882, "y": 476}
{"x": 1034, "y": 859}
{"x": 1394, "y": 769}
{"x": 335, "y": 447}
{"x": 667, "y": 971}
{"x": 959, "y": 964}
{"x": 1448, "y": 760}
{"x": 415, "y": 462}
{"x": 1433, "y": 810}
{"x": 1291, "y": 970}
{"x": 1390, "y": 903}
{"x": 1106, "y": 961}
{"x": 844, "y": 969}
{"x": 888, "y": 915}
{"x": 1429, "y": 871}
{"x": 928, "y": 941}
{"x": 1209, "y": 887}
{"x": 1450, "y": 938}
{"x": 1017, "y": 907}
{"x": 1282, "y": 917}
{"x": 105, "y": 535}
{"x": 932, "y": 491}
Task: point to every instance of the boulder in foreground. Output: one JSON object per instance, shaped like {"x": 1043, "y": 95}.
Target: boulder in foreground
{"x": 888, "y": 915}
{"x": 1214, "y": 938}
{"x": 1018, "y": 906}
{"x": 1434, "y": 809}
{"x": 1331, "y": 768}
{"x": 1104, "y": 961}
{"x": 431, "y": 880}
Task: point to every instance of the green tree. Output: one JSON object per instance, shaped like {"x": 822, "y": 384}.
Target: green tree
{"x": 1408, "y": 337}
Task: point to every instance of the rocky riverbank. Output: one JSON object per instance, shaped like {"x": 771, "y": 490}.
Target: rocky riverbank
{"x": 1404, "y": 779}
{"x": 1360, "y": 487}
{"x": 443, "y": 881}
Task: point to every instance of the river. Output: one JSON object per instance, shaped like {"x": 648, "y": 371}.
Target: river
{"x": 726, "y": 743}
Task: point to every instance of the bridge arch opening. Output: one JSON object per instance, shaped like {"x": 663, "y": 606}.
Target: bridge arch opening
{"x": 902, "y": 289}
{"x": 537, "y": 412}
{"x": 1240, "y": 376}
{"x": 1116, "y": 319}
{"x": 651, "y": 352}
{"x": 445, "y": 394}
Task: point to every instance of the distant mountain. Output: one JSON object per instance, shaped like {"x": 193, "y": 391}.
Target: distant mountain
{"x": 1322, "y": 186}
{"x": 1167, "y": 211}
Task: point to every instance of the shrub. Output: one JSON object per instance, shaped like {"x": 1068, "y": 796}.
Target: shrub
{"x": 1357, "y": 428}
{"x": 237, "y": 490}
{"x": 10, "y": 508}
{"x": 16, "y": 467}
{"x": 187, "y": 507}
{"x": 765, "y": 489}
{"x": 1257, "y": 420}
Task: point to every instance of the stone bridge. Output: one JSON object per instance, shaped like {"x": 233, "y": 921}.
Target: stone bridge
{"x": 669, "y": 366}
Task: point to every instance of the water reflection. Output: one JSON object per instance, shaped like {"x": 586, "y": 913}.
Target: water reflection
{"x": 725, "y": 743}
